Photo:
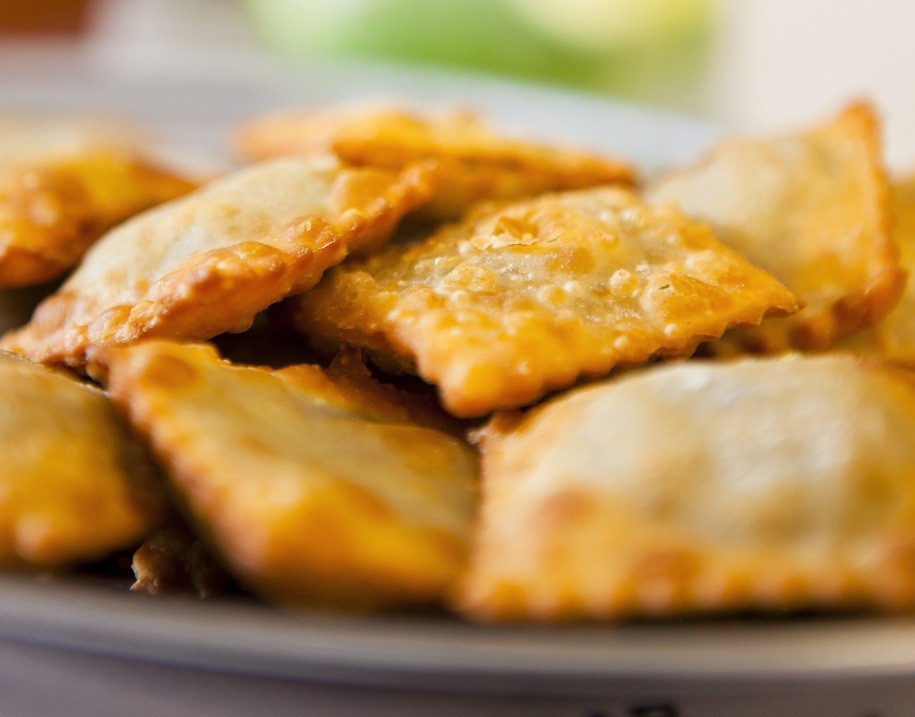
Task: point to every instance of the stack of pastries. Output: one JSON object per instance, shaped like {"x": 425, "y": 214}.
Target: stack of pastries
{"x": 402, "y": 360}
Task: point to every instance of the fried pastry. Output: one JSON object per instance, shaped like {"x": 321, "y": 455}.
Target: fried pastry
{"x": 473, "y": 162}
{"x": 894, "y": 336}
{"x": 520, "y": 300}
{"x": 812, "y": 210}
{"x": 768, "y": 484}
{"x": 207, "y": 263}
{"x": 57, "y": 196}
{"x": 174, "y": 560}
{"x": 312, "y": 491}
{"x": 74, "y": 486}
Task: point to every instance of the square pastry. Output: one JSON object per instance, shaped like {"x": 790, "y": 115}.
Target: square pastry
{"x": 521, "y": 299}
{"x": 702, "y": 488}
{"x": 209, "y": 262}
{"x": 315, "y": 487}
{"x": 812, "y": 208}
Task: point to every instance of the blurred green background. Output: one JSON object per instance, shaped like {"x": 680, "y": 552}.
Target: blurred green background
{"x": 652, "y": 51}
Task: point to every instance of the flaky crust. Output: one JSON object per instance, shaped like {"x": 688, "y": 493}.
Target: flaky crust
{"x": 770, "y": 485}
{"x": 312, "y": 490}
{"x": 53, "y": 209}
{"x": 74, "y": 485}
{"x": 813, "y": 210}
{"x": 208, "y": 263}
{"x": 517, "y": 301}
{"x": 473, "y": 162}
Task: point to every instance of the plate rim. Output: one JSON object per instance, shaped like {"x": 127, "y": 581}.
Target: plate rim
{"x": 441, "y": 652}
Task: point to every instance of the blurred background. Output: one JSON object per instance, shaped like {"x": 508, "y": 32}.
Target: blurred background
{"x": 745, "y": 65}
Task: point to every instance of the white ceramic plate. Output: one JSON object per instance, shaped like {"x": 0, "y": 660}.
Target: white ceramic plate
{"x": 193, "y": 115}
{"x": 441, "y": 652}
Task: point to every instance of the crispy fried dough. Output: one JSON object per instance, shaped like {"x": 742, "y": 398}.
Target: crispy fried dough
{"x": 894, "y": 336}
{"x": 775, "y": 484}
{"x": 812, "y": 210}
{"x": 64, "y": 180}
{"x": 174, "y": 560}
{"x": 515, "y": 302}
{"x": 52, "y": 210}
{"x": 73, "y": 484}
{"x": 208, "y": 263}
{"x": 312, "y": 491}
{"x": 473, "y": 162}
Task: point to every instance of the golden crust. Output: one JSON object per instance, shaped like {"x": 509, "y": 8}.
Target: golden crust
{"x": 287, "y": 133}
{"x": 515, "y": 302}
{"x": 772, "y": 485}
{"x": 812, "y": 209}
{"x": 894, "y": 336}
{"x": 73, "y": 484}
{"x": 208, "y": 263}
{"x": 53, "y": 209}
{"x": 311, "y": 491}
{"x": 473, "y": 162}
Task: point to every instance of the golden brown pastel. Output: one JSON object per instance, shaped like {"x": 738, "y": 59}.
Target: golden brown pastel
{"x": 770, "y": 484}
{"x": 473, "y": 162}
{"x": 52, "y": 210}
{"x": 312, "y": 492}
{"x": 207, "y": 263}
{"x": 173, "y": 559}
{"x": 810, "y": 208}
{"x": 74, "y": 486}
{"x": 894, "y": 336}
{"x": 523, "y": 299}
